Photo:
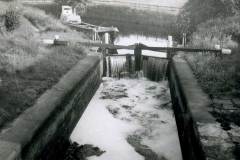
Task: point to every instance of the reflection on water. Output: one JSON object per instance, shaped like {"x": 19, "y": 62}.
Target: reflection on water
{"x": 131, "y": 39}
{"x": 149, "y": 41}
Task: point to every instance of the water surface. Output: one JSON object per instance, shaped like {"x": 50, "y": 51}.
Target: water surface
{"x": 146, "y": 40}
{"x": 130, "y": 119}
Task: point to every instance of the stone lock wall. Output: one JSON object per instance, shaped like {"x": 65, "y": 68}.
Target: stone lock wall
{"x": 44, "y": 127}
{"x": 190, "y": 106}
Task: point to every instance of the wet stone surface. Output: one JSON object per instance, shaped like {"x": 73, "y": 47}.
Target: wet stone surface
{"x": 82, "y": 152}
{"x": 221, "y": 139}
{"x": 220, "y": 144}
{"x": 227, "y": 112}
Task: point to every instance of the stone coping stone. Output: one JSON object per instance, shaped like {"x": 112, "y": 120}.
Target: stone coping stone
{"x": 21, "y": 131}
{"x": 196, "y": 100}
{"x": 217, "y": 143}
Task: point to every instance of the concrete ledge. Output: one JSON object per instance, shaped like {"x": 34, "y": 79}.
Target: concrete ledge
{"x": 190, "y": 106}
{"x": 196, "y": 100}
{"x": 54, "y": 115}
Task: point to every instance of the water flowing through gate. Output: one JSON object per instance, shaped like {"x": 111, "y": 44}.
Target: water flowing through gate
{"x": 119, "y": 66}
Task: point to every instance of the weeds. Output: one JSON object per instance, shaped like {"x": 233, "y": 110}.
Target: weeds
{"x": 22, "y": 86}
{"x": 217, "y": 31}
{"x": 12, "y": 19}
{"x": 42, "y": 21}
{"x": 27, "y": 67}
{"x": 218, "y": 76}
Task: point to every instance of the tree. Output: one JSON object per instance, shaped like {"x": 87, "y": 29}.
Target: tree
{"x": 236, "y": 4}
{"x": 196, "y": 12}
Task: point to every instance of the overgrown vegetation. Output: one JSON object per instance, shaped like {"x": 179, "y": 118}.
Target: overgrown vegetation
{"x": 28, "y": 67}
{"x": 11, "y": 19}
{"x": 42, "y": 21}
{"x": 53, "y": 9}
{"x": 217, "y": 31}
{"x": 22, "y": 86}
{"x": 218, "y": 76}
{"x": 209, "y": 23}
{"x": 219, "y": 18}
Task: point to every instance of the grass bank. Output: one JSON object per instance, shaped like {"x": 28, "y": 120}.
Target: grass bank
{"x": 28, "y": 67}
{"x": 218, "y": 76}
{"x": 53, "y": 9}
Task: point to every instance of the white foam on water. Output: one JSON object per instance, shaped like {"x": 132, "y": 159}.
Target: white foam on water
{"x": 136, "y": 105}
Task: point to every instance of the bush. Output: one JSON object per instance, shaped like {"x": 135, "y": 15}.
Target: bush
{"x": 218, "y": 76}
{"x": 42, "y": 21}
{"x": 12, "y": 19}
{"x": 217, "y": 31}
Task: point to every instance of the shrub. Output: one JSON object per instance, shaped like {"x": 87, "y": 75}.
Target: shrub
{"x": 217, "y": 31}
{"x": 42, "y": 21}
{"x": 12, "y": 19}
{"x": 218, "y": 76}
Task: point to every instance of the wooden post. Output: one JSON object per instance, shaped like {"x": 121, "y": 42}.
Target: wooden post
{"x": 138, "y": 57}
{"x": 129, "y": 63}
{"x": 145, "y": 65}
{"x": 109, "y": 66}
{"x": 170, "y": 41}
{"x": 106, "y": 38}
{"x": 104, "y": 65}
{"x": 94, "y": 35}
{"x": 169, "y": 54}
{"x": 184, "y": 39}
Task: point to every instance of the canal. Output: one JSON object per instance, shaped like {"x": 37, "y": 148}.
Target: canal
{"x": 131, "y": 118}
